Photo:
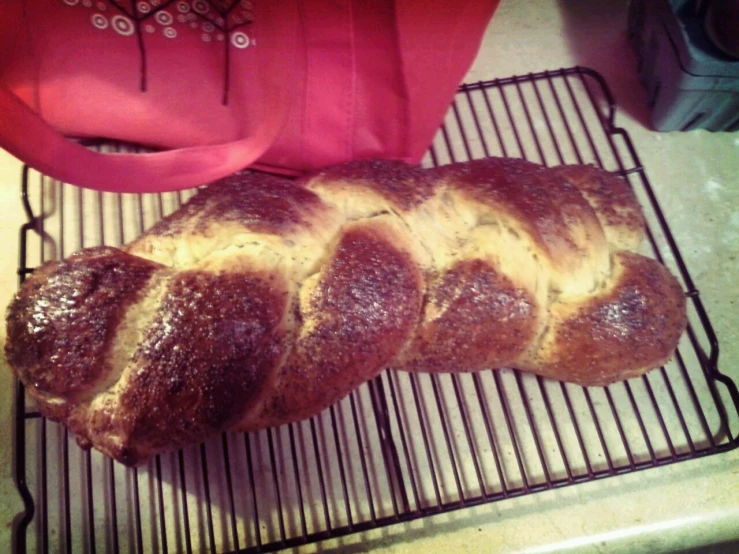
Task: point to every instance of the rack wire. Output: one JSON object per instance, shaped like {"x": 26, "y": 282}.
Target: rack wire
{"x": 403, "y": 446}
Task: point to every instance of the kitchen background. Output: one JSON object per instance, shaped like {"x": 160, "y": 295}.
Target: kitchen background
{"x": 696, "y": 179}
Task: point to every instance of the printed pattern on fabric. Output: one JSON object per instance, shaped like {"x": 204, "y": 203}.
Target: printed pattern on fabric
{"x": 215, "y": 21}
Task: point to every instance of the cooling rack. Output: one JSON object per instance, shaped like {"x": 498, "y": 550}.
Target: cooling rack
{"x": 403, "y": 446}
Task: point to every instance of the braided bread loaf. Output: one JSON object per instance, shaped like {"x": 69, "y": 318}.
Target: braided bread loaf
{"x": 263, "y": 301}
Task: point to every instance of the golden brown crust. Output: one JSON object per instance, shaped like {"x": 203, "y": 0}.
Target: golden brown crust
{"x": 61, "y": 325}
{"x": 629, "y": 328}
{"x": 361, "y": 311}
{"x": 184, "y": 390}
{"x": 405, "y": 186}
{"x": 475, "y": 318}
{"x": 264, "y": 301}
{"x": 612, "y": 199}
{"x": 258, "y": 202}
{"x": 547, "y": 208}
{"x": 245, "y": 208}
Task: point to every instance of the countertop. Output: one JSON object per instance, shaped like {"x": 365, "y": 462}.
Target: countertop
{"x": 696, "y": 179}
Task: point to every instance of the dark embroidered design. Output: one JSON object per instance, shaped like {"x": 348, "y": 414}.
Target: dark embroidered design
{"x": 214, "y": 21}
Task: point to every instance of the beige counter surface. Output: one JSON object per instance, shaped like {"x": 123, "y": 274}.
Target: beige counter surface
{"x": 696, "y": 179}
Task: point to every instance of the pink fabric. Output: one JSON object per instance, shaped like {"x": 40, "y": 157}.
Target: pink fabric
{"x": 220, "y": 85}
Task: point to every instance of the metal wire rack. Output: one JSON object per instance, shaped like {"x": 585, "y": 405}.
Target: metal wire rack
{"x": 403, "y": 446}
